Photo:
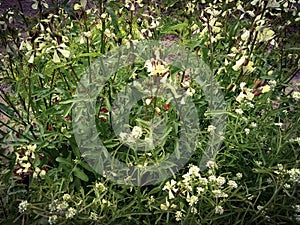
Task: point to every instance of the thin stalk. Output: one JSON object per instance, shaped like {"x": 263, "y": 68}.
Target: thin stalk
{"x": 22, "y": 13}
{"x": 10, "y": 128}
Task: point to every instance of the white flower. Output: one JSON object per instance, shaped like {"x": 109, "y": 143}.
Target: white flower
{"x": 219, "y": 194}
{"x": 272, "y": 83}
{"x": 26, "y": 167}
{"x": 93, "y": 216}
{"x": 294, "y": 175}
{"x": 100, "y": 186}
{"x": 212, "y": 178}
{"x": 136, "y": 132}
{"x": 23, "y": 206}
{"x": 200, "y": 190}
{"x": 190, "y": 91}
{"x": 170, "y": 186}
{"x": 178, "y": 215}
{"x": 232, "y": 184}
{"x": 31, "y": 148}
{"x": 296, "y": 95}
{"x": 203, "y": 181}
{"x": 71, "y": 213}
{"x": 165, "y": 206}
{"x": 239, "y": 111}
{"x": 211, "y": 129}
{"x": 182, "y": 102}
{"x": 148, "y": 101}
{"x": 219, "y": 210}
{"x": 253, "y": 125}
{"x": 192, "y": 200}
{"x": 239, "y": 175}
{"x": 194, "y": 170}
{"x": 185, "y": 84}
{"x": 247, "y": 131}
{"x": 242, "y": 85}
{"x": 62, "y": 206}
{"x": 239, "y": 63}
{"x": 221, "y": 181}
{"x": 43, "y": 173}
{"x": 66, "y": 197}
{"x": 194, "y": 210}
{"x": 123, "y": 136}
{"x": 245, "y": 35}
{"x": 211, "y": 164}
{"x": 52, "y": 219}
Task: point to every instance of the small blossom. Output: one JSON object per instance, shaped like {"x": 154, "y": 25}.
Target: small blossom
{"x": 266, "y": 89}
{"x": 194, "y": 170}
{"x": 212, "y": 178}
{"x": 219, "y": 210}
{"x": 194, "y": 210}
{"x": 232, "y": 184}
{"x": 221, "y": 181}
{"x": 136, "y": 132}
{"x": 93, "y": 216}
{"x": 239, "y": 63}
{"x": 192, "y": 200}
{"x": 66, "y": 197}
{"x": 247, "y": 131}
{"x": 71, "y": 213}
{"x": 62, "y": 206}
{"x": 23, "y": 206}
{"x": 200, "y": 190}
{"x": 43, "y": 173}
{"x": 211, "y": 129}
{"x": 170, "y": 186}
{"x": 296, "y": 95}
{"x": 148, "y": 101}
{"x": 239, "y": 176}
{"x": 178, "y": 215}
{"x": 211, "y": 164}
{"x": 165, "y": 206}
{"x": 100, "y": 186}
{"x": 219, "y": 194}
{"x": 52, "y": 219}
{"x": 190, "y": 91}
{"x": 239, "y": 111}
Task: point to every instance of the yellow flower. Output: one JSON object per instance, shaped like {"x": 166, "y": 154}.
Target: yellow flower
{"x": 266, "y": 89}
{"x": 239, "y": 63}
{"x": 265, "y": 34}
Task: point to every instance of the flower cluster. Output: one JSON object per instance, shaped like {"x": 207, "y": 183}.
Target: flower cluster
{"x": 25, "y": 157}
{"x": 23, "y": 206}
{"x": 135, "y": 134}
{"x": 61, "y": 208}
{"x": 184, "y": 194}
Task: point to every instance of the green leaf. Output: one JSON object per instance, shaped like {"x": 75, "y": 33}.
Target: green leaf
{"x": 63, "y": 161}
{"x": 6, "y": 110}
{"x": 114, "y": 19}
{"x": 80, "y": 174}
{"x": 90, "y": 54}
{"x": 86, "y": 166}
